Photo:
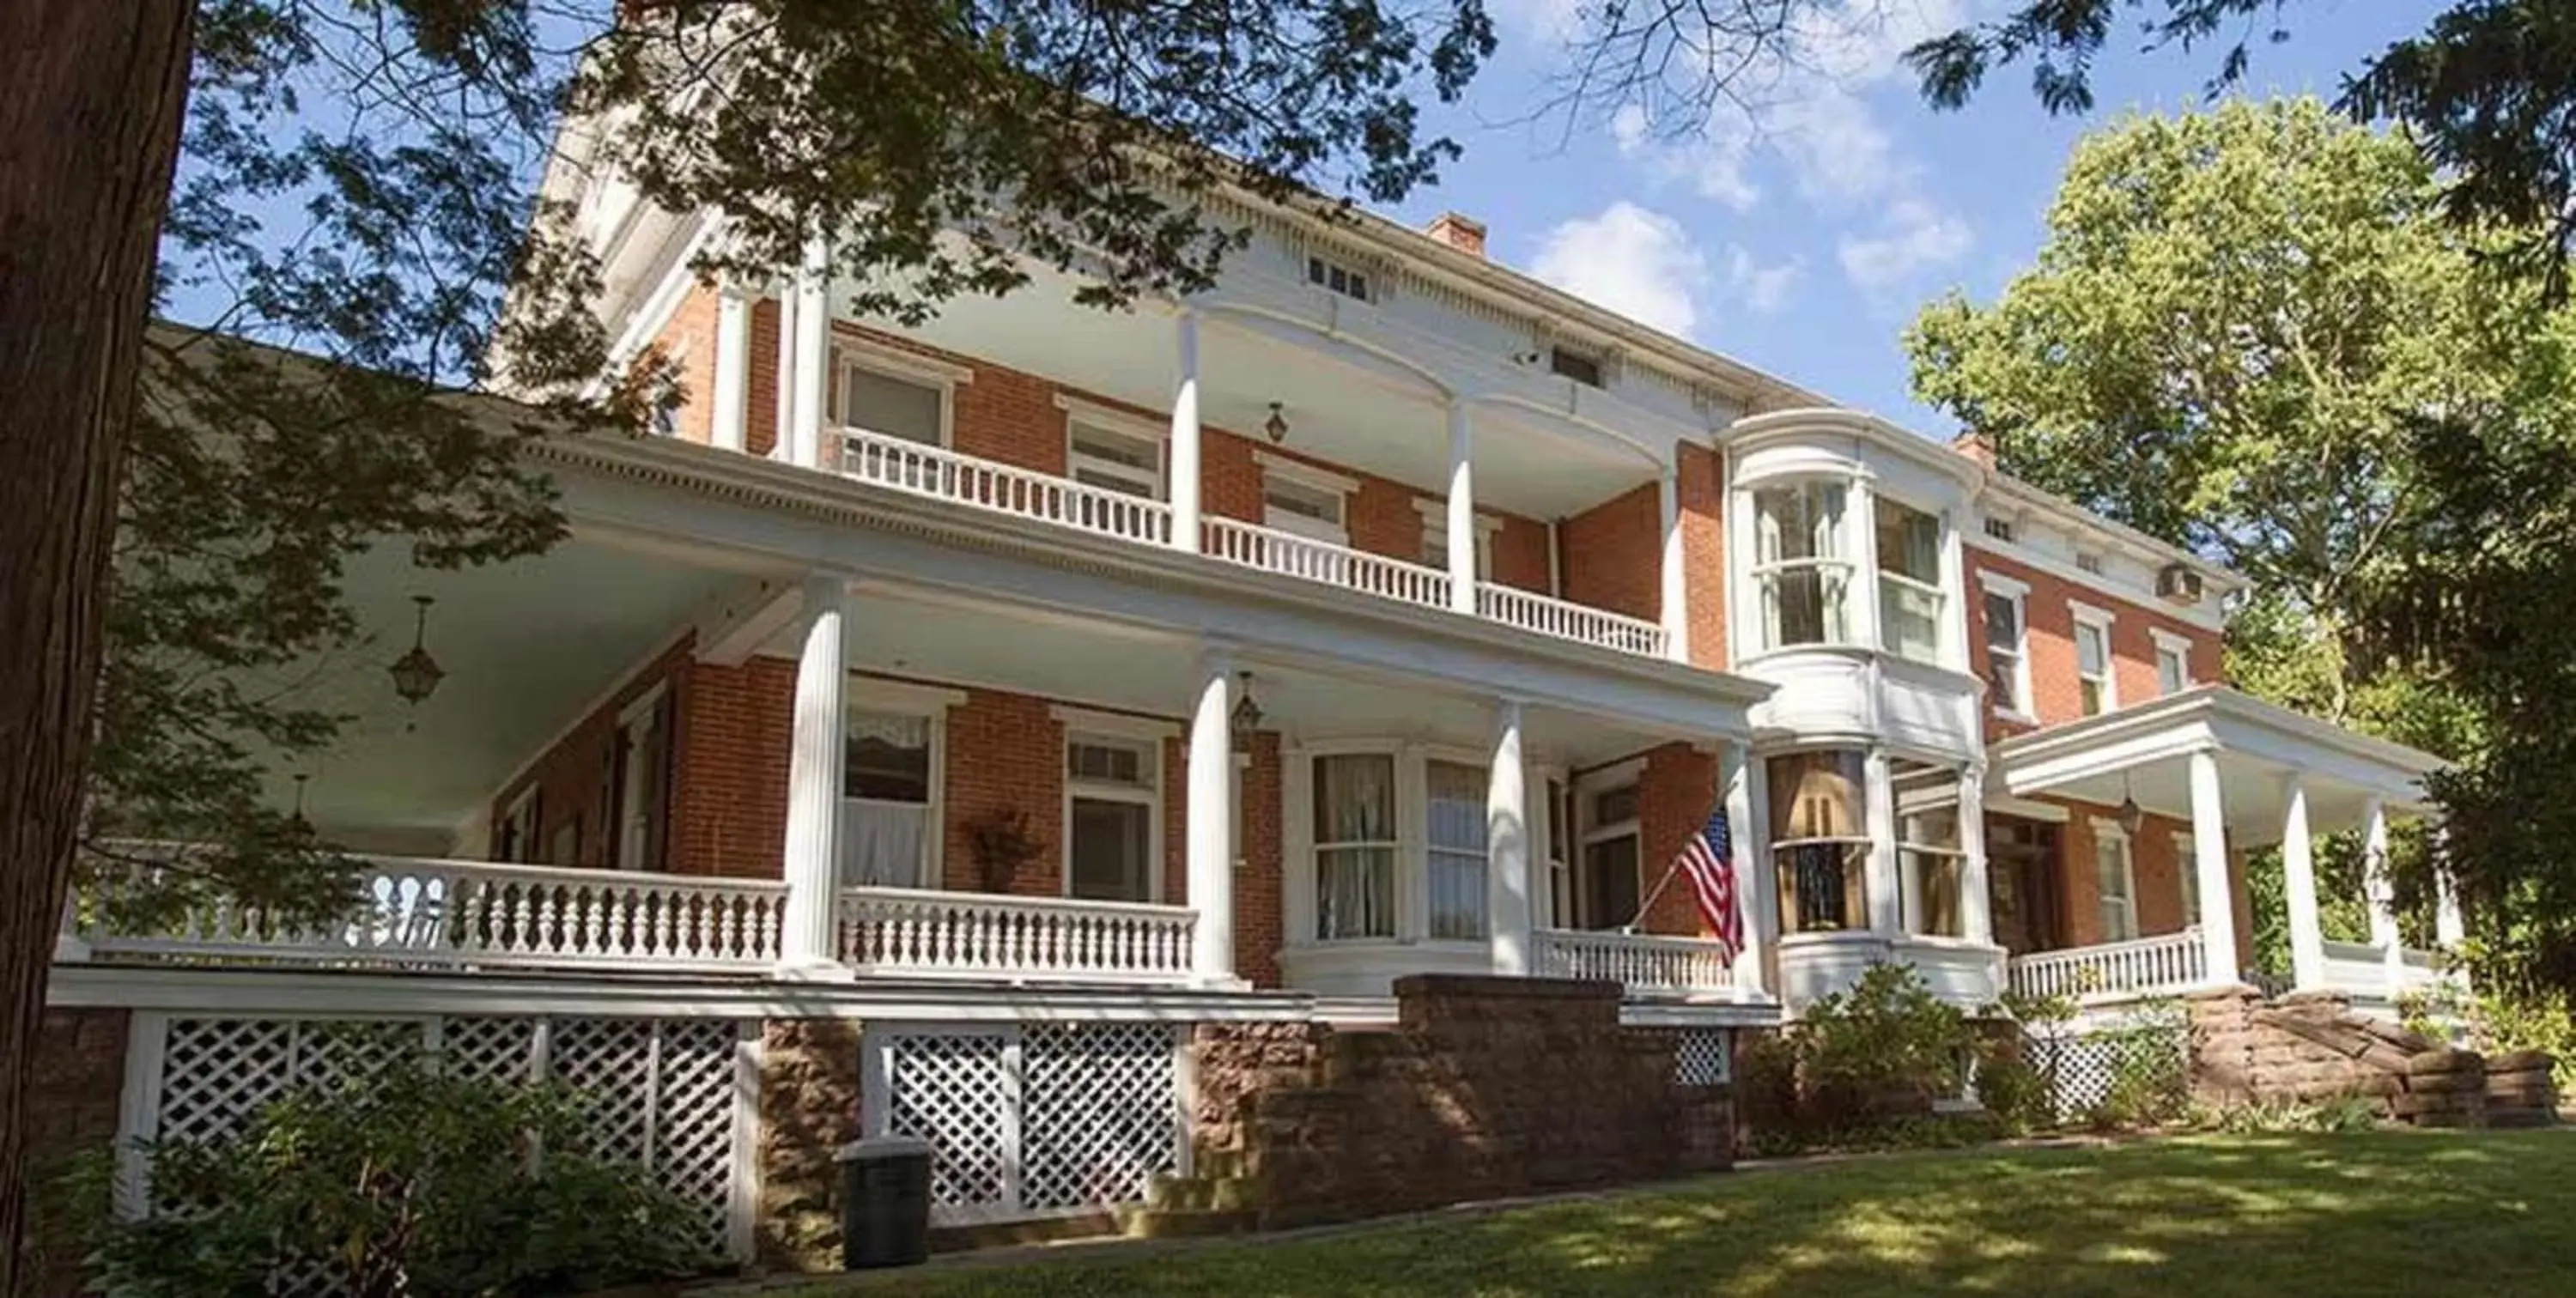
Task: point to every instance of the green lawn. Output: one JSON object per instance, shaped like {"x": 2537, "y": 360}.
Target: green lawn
{"x": 2482, "y": 1214}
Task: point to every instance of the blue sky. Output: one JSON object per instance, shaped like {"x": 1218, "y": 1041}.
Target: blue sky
{"x": 1802, "y": 235}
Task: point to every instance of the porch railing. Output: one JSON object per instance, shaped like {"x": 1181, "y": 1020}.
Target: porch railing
{"x": 2172, "y": 962}
{"x": 1566, "y": 620}
{"x": 2363, "y": 967}
{"x": 1645, "y": 963}
{"x": 883, "y": 461}
{"x": 412, "y": 913}
{"x": 1289, "y": 554}
{"x": 911, "y": 932}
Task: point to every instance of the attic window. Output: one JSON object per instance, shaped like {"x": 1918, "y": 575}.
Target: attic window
{"x": 1338, "y": 278}
{"x": 2089, "y": 562}
{"x": 2000, "y": 529}
{"x": 1575, "y": 365}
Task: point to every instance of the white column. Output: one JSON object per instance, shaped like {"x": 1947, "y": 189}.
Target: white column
{"x": 1886, "y": 893}
{"x": 2299, "y": 868}
{"x": 731, "y": 408}
{"x": 1210, "y": 856}
{"x": 1462, "y": 509}
{"x": 1186, "y": 474}
{"x": 2381, "y": 889}
{"x": 2209, "y": 866}
{"x": 1507, "y": 846}
{"x": 813, "y": 353}
{"x": 1675, "y": 590}
{"x": 1739, "y": 782}
{"x": 2450, "y": 927}
{"x": 783, "y": 424}
{"x": 1860, "y": 534}
{"x": 814, "y": 771}
{"x": 1976, "y": 897}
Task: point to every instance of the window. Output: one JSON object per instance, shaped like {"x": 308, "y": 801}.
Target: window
{"x": 1338, "y": 278}
{"x": 1308, "y": 509}
{"x": 2173, "y": 662}
{"x": 1608, "y": 893}
{"x": 2187, "y": 866}
{"x": 1435, "y": 538}
{"x": 1354, "y": 846}
{"x": 885, "y": 799}
{"x": 1110, "y": 791}
{"x": 1457, "y": 850}
{"x": 1798, "y": 566}
{"x": 2115, "y": 882}
{"x": 894, "y": 405}
{"x": 1575, "y": 365}
{"x": 1928, "y": 851}
{"x": 2087, "y": 561}
{"x": 1820, "y": 840}
{"x": 516, "y": 840}
{"x": 1909, "y": 581}
{"x": 2093, "y": 661}
{"x": 643, "y": 781}
{"x": 2007, "y": 651}
{"x": 2000, "y": 529}
{"x": 1104, "y": 457}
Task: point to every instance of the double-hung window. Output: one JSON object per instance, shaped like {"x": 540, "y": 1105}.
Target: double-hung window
{"x": 2115, "y": 882}
{"x": 1111, "y": 790}
{"x": 2007, "y": 645}
{"x": 1355, "y": 845}
{"x": 1114, "y": 459}
{"x": 1305, "y": 501}
{"x": 1457, "y": 849}
{"x": 2096, "y": 689}
{"x": 1909, "y": 581}
{"x": 2187, "y": 867}
{"x": 886, "y": 786}
{"x": 1820, "y": 840}
{"x": 1799, "y": 568}
{"x": 1928, "y": 850}
{"x": 1435, "y": 538}
{"x": 1608, "y": 894}
{"x": 2173, "y": 662}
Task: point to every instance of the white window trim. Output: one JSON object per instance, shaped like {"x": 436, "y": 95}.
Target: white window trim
{"x": 1844, "y": 559}
{"x": 1114, "y": 725}
{"x": 2102, "y": 620}
{"x": 1149, "y": 797}
{"x": 2107, "y": 830}
{"x": 1994, "y": 583}
{"x": 877, "y": 694}
{"x": 1435, "y": 518}
{"x": 1299, "y": 471}
{"x": 849, "y": 354}
{"x": 639, "y": 712}
{"x": 1581, "y": 790}
{"x": 1303, "y": 916}
{"x": 2179, "y": 646}
{"x": 1307, "y": 476}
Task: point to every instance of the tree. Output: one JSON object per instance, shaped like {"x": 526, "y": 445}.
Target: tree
{"x": 361, "y": 182}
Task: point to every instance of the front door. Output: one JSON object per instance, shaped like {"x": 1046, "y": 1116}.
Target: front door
{"x": 2021, "y": 861}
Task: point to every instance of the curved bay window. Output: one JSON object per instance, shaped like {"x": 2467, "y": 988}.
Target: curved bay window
{"x": 1929, "y": 858}
{"x": 1909, "y": 581}
{"x": 1800, "y": 565}
{"x": 1820, "y": 840}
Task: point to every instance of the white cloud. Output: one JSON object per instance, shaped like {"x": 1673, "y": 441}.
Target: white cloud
{"x": 1835, "y": 147}
{"x": 1760, "y": 289}
{"x": 1916, "y": 237}
{"x": 1639, "y": 263}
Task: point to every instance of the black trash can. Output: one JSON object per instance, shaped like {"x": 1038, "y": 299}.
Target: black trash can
{"x": 885, "y": 1202}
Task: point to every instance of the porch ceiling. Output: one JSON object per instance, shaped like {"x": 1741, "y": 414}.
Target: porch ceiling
{"x": 2143, "y": 752}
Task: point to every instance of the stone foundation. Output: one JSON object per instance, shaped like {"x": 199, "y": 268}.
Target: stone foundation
{"x": 2310, "y": 1047}
{"x": 1486, "y": 1088}
{"x": 809, "y": 1108}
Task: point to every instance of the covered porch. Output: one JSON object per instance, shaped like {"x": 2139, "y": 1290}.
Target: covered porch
{"x": 2120, "y": 846}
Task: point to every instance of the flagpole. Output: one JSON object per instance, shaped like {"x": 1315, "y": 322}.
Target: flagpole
{"x": 1652, "y": 895}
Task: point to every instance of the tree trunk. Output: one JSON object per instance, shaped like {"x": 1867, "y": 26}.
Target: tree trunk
{"x": 91, "y": 97}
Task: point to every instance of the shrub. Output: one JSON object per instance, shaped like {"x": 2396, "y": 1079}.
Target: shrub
{"x": 1861, "y": 1069}
{"x": 409, "y": 1183}
{"x": 2150, "y": 1068}
{"x": 2274, "y": 1117}
{"x": 2495, "y": 1023}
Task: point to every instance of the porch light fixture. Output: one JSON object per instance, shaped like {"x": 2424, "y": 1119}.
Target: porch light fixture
{"x": 1245, "y": 720}
{"x": 295, "y": 820}
{"x": 2130, "y": 815}
{"x": 416, "y": 674}
{"x": 1276, "y": 425}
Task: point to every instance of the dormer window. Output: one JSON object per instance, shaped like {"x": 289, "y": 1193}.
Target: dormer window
{"x": 1581, "y": 367}
{"x": 1333, "y": 276}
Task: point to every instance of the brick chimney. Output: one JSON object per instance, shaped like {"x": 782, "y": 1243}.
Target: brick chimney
{"x": 1464, "y": 233}
{"x": 1976, "y": 446}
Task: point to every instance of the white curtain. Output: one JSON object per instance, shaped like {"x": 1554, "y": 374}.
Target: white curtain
{"x": 883, "y": 843}
{"x": 1355, "y": 886}
{"x": 1457, "y": 846}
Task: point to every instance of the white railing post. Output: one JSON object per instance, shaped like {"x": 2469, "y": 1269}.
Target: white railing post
{"x": 814, "y": 782}
{"x": 2299, "y": 885}
{"x": 1507, "y": 881}
{"x": 1210, "y": 856}
{"x": 1187, "y": 477}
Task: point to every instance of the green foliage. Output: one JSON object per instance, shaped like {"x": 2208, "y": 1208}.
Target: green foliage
{"x": 2150, "y": 1068}
{"x": 2344, "y": 1116}
{"x": 2016, "y": 1094}
{"x": 2493, "y": 1022}
{"x": 1862, "y": 1069}
{"x": 413, "y": 1183}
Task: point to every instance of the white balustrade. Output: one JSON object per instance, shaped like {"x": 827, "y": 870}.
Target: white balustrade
{"x": 911, "y": 932}
{"x": 2172, "y": 962}
{"x": 1566, "y": 620}
{"x": 883, "y": 461}
{"x": 1289, "y": 554}
{"x": 2362, "y": 967}
{"x": 429, "y": 913}
{"x": 1641, "y": 962}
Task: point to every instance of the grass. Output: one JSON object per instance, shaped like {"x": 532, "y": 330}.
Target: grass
{"x": 2485, "y": 1214}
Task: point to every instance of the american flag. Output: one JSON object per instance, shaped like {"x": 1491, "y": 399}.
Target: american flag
{"x": 1708, "y": 860}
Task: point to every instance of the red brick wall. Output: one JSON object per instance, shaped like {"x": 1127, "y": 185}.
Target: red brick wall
{"x": 2157, "y": 864}
{"x": 1612, "y": 554}
{"x": 760, "y": 421}
{"x": 573, "y": 778}
{"x": 729, "y": 782}
{"x": 1700, "y": 491}
{"x": 689, "y": 342}
{"x": 1260, "y": 884}
{"x": 2055, "y": 693}
{"x": 1674, "y": 795}
{"x": 1005, "y": 752}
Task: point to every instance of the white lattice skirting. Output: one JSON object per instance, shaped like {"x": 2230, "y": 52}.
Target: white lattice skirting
{"x": 1035, "y": 1120}
{"x": 665, "y": 1090}
{"x": 2084, "y": 1064}
{"x": 1703, "y": 1057}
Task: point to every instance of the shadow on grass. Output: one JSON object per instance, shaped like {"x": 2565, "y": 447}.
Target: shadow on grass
{"x": 2346, "y": 1216}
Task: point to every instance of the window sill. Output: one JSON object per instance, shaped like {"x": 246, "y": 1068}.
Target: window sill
{"x": 2014, "y": 715}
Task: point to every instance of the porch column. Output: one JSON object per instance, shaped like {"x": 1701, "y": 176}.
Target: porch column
{"x": 2450, "y": 927}
{"x": 2298, "y": 866}
{"x": 806, "y": 946}
{"x": 782, "y": 441}
{"x": 1886, "y": 891}
{"x": 2209, "y": 869}
{"x": 1739, "y": 784}
{"x": 1210, "y": 856}
{"x": 1976, "y": 901}
{"x": 1507, "y": 882}
{"x": 731, "y": 411}
{"x": 1186, "y": 475}
{"x": 1462, "y": 508}
{"x": 813, "y": 352}
{"x": 1674, "y": 601}
{"x": 2381, "y": 889}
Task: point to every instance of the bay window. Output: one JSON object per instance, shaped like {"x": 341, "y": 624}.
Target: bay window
{"x": 1800, "y": 569}
{"x": 1929, "y": 857}
{"x": 1909, "y": 581}
{"x": 1456, "y": 852}
{"x": 1820, "y": 840}
{"x": 1355, "y": 845}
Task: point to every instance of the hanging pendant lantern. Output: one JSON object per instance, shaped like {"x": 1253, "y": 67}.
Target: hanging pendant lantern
{"x": 1276, "y": 425}
{"x": 416, "y": 674}
{"x": 295, "y": 820}
{"x": 2131, "y": 815}
{"x": 1245, "y": 720}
